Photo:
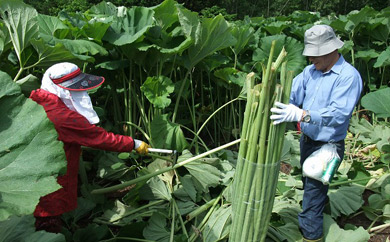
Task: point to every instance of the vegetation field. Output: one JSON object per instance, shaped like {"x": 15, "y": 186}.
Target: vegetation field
{"x": 177, "y": 79}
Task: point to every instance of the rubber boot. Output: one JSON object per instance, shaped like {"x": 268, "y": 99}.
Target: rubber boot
{"x": 313, "y": 240}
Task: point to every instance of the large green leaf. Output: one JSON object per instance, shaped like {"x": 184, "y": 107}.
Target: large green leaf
{"x": 286, "y": 232}
{"x": 378, "y": 102}
{"x": 383, "y": 58}
{"x": 120, "y": 213}
{"x": 157, "y": 90}
{"x": 188, "y": 186}
{"x": 130, "y": 26}
{"x": 361, "y": 127}
{"x": 84, "y": 207}
{"x": 166, "y": 43}
{"x": 23, "y": 229}
{"x": 345, "y": 200}
{"x": 371, "y": 134}
{"x": 243, "y": 34}
{"x": 210, "y": 36}
{"x": 30, "y": 154}
{"x": 50, "y": 55}
{"x": 110, "y": 167}
{"x": 276, "y": 27}
{"x": 96, "y": 30}
{"x": 218, "y": 225}
{"x": 167, "y": 135}
{"x": 291, "y": 151}
{"x": 204, "y": 174}
{"x": 189, "y": 21}
{"x": 156, "y": 228}
{"x": 48, "y": 25}
{"x": 166, "y": 14}
{"x": 287, "y": 210}
{"x": 357, "y": 17}
{"x": 91, "y": 233}
{"x": 21, "y": 22}
{"x": 159, "y": 164}
{"x": 231, "y": 75}
{"x": 366, "y": 55}
{"x": 156, "y": 189}
{"x": 80, "y": 47}
{"x": 295, "y": 60}
{"x": 5, "y": 40}
{"x": 380, "y": 29}
{"x": 104, "y": 9}
{"x": 333, "y": 233}
{"x": 348, "y": 24}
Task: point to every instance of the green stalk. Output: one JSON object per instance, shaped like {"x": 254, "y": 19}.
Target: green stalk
{"x": 203, "y": 222}
{"x": 264, "y": 120}
{"x": 192, "y": 108}
{"x": 276, "y": 138}
{"x": 179, "y": 96}
{"x": 263, "y": 180}
{"x": 141, "y": 109}
{"x": 247, "y": 174}
{"x": 172, "y": 224}
{"x": 258, "y": 163}
{"x": 140, "y": 130}
{"x": 126, "y": 100}
{"x": 248, "y": 115}
{"x": 242, "y": 163}
{"x": 163, "y": 170}
{"x": 281, "y": 128}
{"x": 243, "y": 177}
{"x": 250, "y": 215}
{"x": 198, "y": 137}
{"x": 201, "y": 209}
{"x": 129, "y": 102}
{"x": 183, "y": 227}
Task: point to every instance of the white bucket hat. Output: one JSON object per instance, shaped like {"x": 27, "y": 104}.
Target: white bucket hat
{"x": 321, "y": 40}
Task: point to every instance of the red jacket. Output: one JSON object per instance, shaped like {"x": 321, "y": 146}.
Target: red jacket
{"x": 74, "y": 131}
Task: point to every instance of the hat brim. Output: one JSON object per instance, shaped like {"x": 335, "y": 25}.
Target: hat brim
{"x": 324, "y": 49}
{"x": 82, "y": 82}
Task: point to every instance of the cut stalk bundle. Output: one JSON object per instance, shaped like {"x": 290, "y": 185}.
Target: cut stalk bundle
{"x": 259, "y": 153}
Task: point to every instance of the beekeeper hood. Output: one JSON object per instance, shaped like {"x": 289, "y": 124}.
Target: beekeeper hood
{"x": 70, "y": 84}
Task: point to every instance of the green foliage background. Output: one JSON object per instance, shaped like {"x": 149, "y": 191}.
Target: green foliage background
{"x": 238, "y": 8}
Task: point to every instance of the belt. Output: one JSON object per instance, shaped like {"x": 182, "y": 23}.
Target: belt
{"x": 307, "y": 139}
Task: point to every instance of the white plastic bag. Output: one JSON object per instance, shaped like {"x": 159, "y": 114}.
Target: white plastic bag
{"x": 322, "y": 164}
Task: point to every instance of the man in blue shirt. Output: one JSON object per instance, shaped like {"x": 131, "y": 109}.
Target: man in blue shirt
{"x": 322, "y": 99}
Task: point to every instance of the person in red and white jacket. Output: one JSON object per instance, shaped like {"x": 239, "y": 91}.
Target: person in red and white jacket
{"x": 63, "y": 95}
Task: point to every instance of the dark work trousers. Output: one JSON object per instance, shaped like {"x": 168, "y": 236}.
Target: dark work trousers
{"x": 315, "y": 193}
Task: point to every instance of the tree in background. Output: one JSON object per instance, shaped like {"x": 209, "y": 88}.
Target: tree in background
{"x": 232, "y": 8}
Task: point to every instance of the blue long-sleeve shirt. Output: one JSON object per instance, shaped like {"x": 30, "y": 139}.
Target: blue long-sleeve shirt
{"x": 330, "y": 98}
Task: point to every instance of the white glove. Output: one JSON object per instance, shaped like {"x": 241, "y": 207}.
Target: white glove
{"x": 286, "y": 113}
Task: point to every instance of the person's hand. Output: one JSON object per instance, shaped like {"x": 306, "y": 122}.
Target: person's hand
{"x": 141, "y": 147}
{"x": 286, "y": 113}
